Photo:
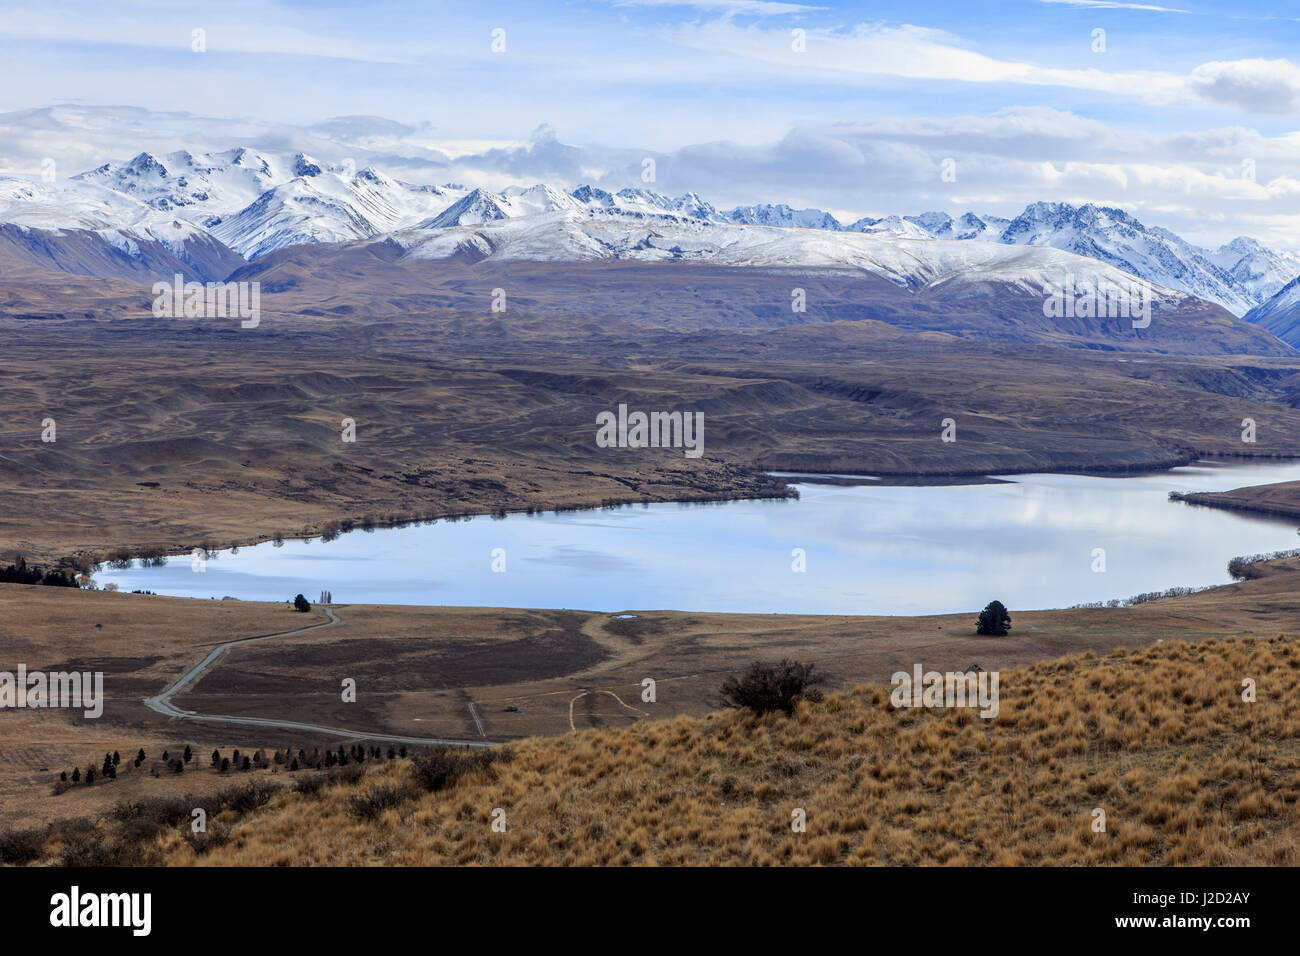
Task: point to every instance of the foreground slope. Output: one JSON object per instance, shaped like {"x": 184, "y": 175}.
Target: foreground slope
{"x": 1160, "y": 739}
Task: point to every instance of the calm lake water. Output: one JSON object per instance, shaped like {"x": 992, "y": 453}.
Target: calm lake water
{"x": 869, "y": 549}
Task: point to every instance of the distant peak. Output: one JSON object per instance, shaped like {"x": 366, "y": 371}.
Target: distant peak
{"x": 304, "y": 165}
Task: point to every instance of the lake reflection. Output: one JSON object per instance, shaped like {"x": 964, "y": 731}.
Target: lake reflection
{"x": 869, "y": 549}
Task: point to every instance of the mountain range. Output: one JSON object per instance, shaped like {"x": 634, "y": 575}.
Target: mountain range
{"x": 207, "y": 214}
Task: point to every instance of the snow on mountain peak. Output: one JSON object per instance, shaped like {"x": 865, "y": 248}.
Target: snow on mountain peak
{"x": 256, "y": 202}
{"x": 304, "y": 165}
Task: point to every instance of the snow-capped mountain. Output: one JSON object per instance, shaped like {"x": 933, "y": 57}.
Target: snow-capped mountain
{"x": 202, "y": 187}
{"x": 1113, "y": 236}
{"x": 1281, "y": 313}
{"x": 983, "y": 291}
{"x": 321, "y": 205}
{"x": 890, "y": 226}
{"x": 940, "y": 225}
{"x": 767, "y": 214}
{"x": 645, "y": 202}
{"x": 1256, "y": 269}
{"x": 255, "y": 202}
{"x": 581, "y": 235}
{"x": 84, "y": 228}
{"x": 479, "y": 206}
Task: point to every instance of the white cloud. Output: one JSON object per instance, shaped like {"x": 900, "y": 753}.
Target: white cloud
{"x": 919, "y": 53}
{"x": 760, "y": 8}
{"x": 1258, "y": 86}
{"x": 1116, "y": 5}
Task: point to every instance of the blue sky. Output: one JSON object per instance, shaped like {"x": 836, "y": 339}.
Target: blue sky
{"x": 1164, "y": 121}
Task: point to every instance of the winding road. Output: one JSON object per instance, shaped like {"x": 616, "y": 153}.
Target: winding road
{"x": 161, "y": 702}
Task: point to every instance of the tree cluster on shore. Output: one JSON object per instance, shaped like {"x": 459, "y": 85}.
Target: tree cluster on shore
{"x": 20, "y": 572}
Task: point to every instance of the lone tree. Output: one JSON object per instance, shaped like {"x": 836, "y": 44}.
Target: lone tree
{"x": 768, "y": 687}
{"x": 993, "y": 620}
{"x": 300, "y": 604}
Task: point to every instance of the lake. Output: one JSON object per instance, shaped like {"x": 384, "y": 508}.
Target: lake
{"x": 1028, "y": 541}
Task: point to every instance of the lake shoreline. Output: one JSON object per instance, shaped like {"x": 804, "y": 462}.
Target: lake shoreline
{"x": 870, "y": 547}
{"x": 86, "y": 560}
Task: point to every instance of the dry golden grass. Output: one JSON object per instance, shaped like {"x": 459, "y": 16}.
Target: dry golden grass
{"x": 1160, "y": 739}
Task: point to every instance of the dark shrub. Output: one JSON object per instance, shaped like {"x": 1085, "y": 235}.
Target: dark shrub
{"x": 84, "y": 844}
{"x": 993, "y": 620}
{"x": 439, "y": 769}
{"x": 345, "y": 775}
{"x": 21, "y": 846}
{"x": 312, "y": 784}
{"x": 765, "y": 688}
{"x": 300, "y": 603}
{"x": 248, "y": 797}
{"x": 217, "y": 834}
{"x": 373, "y": 802}
{"x": 157, "y": 811}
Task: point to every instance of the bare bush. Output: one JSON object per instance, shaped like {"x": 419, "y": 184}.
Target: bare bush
{"x": 217, "y": 834}
{"x": 21, "y": 846}
{"x": 765, "y": 688}
{"x": 374, "y": 801}
{"x": 247, "y": 797}
{"x": 439, "y": 769}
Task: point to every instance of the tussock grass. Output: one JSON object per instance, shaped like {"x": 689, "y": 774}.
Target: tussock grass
{"x": 1160, "y": 739}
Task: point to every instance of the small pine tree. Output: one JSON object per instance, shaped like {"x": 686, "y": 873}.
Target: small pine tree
{"x": 247, "y": 763}
{"x": 139, "y": 758}
{"x": 225, "y": 764}
{"x": 189, "y": 754}
{"x": 63, "y": 777}
{"x": 76, "y": 774}
{"x": 300, "y": 603}
{"x": 117, "y": 758}
{"x": 293, "y": 764}
{"x": 216, "y": 758}
{"x": 165, "y": 757}
{"x": 90, "y": 775}
{"x": 110, "y": 772}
